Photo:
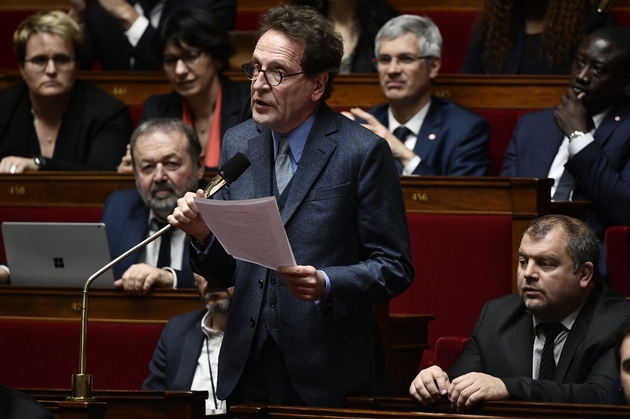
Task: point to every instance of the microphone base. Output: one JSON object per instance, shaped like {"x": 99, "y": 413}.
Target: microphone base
{"x": 81, "y": 388}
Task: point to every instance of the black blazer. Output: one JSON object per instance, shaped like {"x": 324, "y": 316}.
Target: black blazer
{"x": 503, "y": 340}
{"x": 93, "y": 135}
{"x": 105, "y": 41}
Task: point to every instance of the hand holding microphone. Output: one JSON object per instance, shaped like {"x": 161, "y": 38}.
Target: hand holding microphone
{"x": 186, "y": 216}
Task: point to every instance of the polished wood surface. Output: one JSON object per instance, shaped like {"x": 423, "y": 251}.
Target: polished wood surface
{"x": 359, "y": 90}
{"x": 105, "y": 304}
{"x": 508, "y": 408}
{"x": 522, "y": 199}
{"x": 125, "y": 404}
{"x": 61, "y": 189}
{"x": 257, "y": 411}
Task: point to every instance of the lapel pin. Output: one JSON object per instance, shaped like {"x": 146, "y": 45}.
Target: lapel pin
{"x": 431, "y": 137}
{"x": 617, "y": 118}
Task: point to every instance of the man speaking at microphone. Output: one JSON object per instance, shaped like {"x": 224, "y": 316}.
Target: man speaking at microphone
{"x": 167, "y": 162}
{"x": 584, "y": 144}
{"x": 306, "y": 334}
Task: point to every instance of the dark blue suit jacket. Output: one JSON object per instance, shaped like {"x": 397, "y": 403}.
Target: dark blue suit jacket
{"x": 105, "y": 41}
{"x": 460, "y": 147}
{"x": 345, "y": 215}
{"x": 502, "y": 345}
{"x": 601, "y": 169}
{"x": 126, "y": 218}
{"x": 175, "y": 358}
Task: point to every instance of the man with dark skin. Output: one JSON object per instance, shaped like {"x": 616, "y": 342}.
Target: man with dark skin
{"x": 584, "y": 144}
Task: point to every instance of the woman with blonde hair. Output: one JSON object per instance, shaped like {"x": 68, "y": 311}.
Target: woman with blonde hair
{"x": 52, "y": 121}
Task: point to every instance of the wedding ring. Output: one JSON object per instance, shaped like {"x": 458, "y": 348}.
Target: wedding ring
{"x": 12, "y": 170}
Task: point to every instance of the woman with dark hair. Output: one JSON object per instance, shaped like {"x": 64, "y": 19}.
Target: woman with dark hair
{"x": 357, "y": 21}
{"x": 195, "y": 49}
{"x": 527, "y": 36}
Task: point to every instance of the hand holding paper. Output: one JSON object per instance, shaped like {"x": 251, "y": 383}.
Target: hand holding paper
{"x": 249, "y": 230}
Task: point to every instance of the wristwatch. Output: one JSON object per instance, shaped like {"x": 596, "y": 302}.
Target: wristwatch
{"x": 574, "y": 135}
{"x": 40, "y": 162}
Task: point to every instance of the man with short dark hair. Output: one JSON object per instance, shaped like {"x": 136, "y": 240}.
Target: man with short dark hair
{"x": 552, "y": 341}
{"x": 584, "y": 144}
{"x": 620, "y": 393}
{"x": 167, "y": 162}
{"x": 306, "y": 334}
{"x": 428, "y": 135}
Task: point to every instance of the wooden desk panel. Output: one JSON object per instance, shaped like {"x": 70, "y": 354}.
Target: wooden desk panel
{"x": 359, "y": 90}
{"x": 125, "y": 404}
{"x": 106, "y": 304}
{"x": 507, "y": 408}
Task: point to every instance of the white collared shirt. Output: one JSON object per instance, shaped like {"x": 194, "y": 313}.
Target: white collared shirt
{"x": 569, "y": 149}
{"x": 414, "y": 125}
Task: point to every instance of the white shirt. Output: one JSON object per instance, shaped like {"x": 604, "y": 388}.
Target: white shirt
{"x": 539, "y": 341}
{"x": 202, "y": 380}
{"x": 136, "y": 30}
{"x": 569, "y": 149}
{"x": 151, "y": 252}
{"x": 414, "y": 125}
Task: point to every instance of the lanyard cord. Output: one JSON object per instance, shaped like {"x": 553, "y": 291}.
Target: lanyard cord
{"x": 214, "y": 390}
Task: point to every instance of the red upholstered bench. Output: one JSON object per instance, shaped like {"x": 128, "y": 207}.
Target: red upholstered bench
{"x": 461, "y": 262}
{"x": 45, "y": 353}
{"x": 47, "y": 214}
{"x": 618, "y": 258}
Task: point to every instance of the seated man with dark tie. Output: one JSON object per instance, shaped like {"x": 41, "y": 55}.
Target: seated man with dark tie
{"x": 427, "y": 135}
{"x": 553, "y": 341}
{"x": 167, "y": 163}
{"x": 584, "y": 144}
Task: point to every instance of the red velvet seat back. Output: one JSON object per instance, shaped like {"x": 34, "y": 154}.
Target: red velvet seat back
{"x": 45, "y": 353}
{"x": 618, "y": 258}
{"x": 461, "y": 262}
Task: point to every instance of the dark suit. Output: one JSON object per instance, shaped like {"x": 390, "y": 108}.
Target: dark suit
{"x": 126, "y": 218}
{"x": 175, "y": 359}
{"x": 346, "y": 185}
{"x": 601, "y": 169}
{"x": 17, "y": 405}
{"x": 235, "y": 105}
{"x": 460, "y": 145}
{"x": 502, "y": 345}
{"x": 105, "y": 41}
{"x": 94, "y": 132}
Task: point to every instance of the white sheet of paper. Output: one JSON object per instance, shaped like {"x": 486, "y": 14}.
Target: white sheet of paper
{"x": 249, "y": 230}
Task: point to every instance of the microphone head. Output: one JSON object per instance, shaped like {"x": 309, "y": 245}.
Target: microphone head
{"x": 234, "y": 168}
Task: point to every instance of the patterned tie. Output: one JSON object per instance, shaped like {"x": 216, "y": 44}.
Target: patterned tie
{"x": 547, "y": 368}
{"x": 565, "y": 186}
{"x": 164, "y": 256}
{"x": 284, "y": 171}
{"x": 567, "y": 182}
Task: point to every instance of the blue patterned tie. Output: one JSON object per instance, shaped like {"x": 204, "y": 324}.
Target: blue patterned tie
{"x": 284, "y": 171}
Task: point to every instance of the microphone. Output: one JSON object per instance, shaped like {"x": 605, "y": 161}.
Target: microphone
{"x": 82, "y": 382}
{"x": 597, "y": 17}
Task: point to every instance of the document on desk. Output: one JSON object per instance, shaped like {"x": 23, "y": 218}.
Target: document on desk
{"x": 249, "y": 230}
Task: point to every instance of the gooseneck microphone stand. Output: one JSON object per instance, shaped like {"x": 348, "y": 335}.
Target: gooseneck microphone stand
{"x": 82, "y": 382}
